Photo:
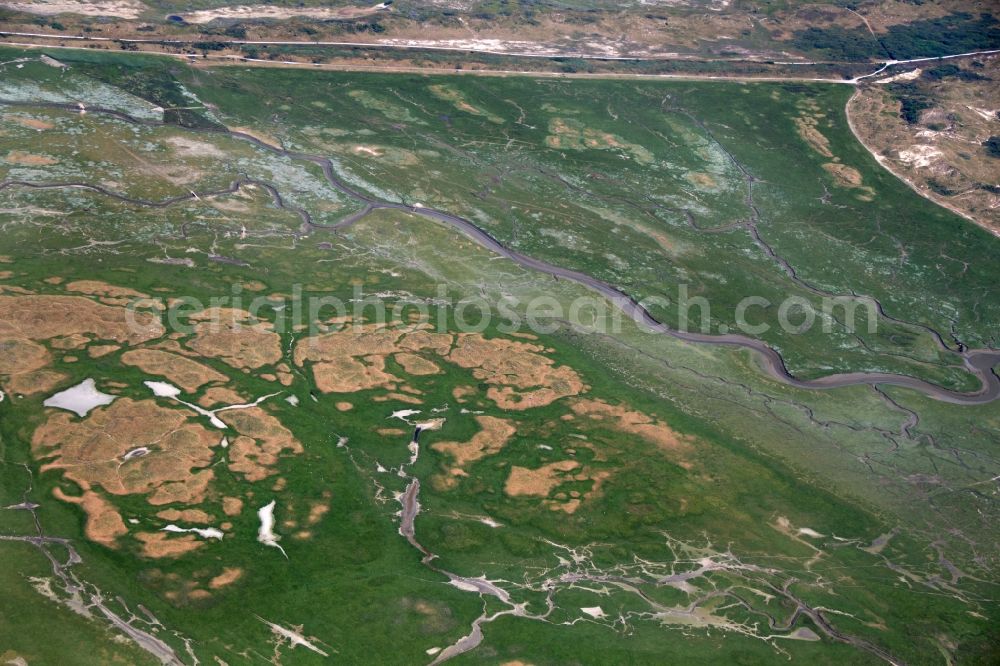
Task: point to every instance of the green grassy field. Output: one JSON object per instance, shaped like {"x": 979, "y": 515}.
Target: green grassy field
{"x": 768, "y": 518}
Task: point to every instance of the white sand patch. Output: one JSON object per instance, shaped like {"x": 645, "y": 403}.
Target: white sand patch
{"x": 294, "y": 638}
{"x": 462, "y": 585}
{"x": 163, "y": 389}
{"x": 203, "y": 532}
{"x": 166, "y": 390}
{"x": 405, "y": 414}
{"x": 80, "y": 399}
{"x": 51, "y": 62}
{"x": 802, "y": 634}
{"x": 266, "y": 534}
{"x": 985, "y": 114}
{"x": 127, "y": 9}
{"x": 905, "y": 76}
{"x": 135, "y": 453}
{"x": 919, "y": 156}
{"x": 278, "y": 13}
{"x": 595, "y": 612}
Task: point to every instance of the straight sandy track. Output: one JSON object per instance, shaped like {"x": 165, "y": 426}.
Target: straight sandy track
{"x": 213, "y": 60}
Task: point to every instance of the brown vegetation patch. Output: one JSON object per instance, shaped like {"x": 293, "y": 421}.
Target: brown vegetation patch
{"x": 400, "y": 397}
{"x": 98, "y": 288}
{"x": 542, "y": 481}
{"x": 416, "y": 365}
{"x": 806, "y": 127}
{"x": 353, "y": 358}
{"x": 460, "y": 103}
{"x": 351, "y": 340}
{"x": 27, "y": 159}
{"x": 262, "y": 442}
{"x": 846, "y": 176}
{"x": 849, "y": 177}
{"x": 390, "y": 432}
{"x": 418, "y": 339}
{"x": 189, "y": 491}
{"x": 228, "y": 576}
{"x": 235, "y": 338}
{"x": 31, "y": 123}
{"x": 18, "y": 355}
{"x": 173, "y": 346}
{"x": 461, "y": 393}
{"x": 220, "y": 395}
{"x": 632, "y": 422}
{"x": 316, "y": 512}
{"x": 702, "y": 180}
{"x": 515, "y": 365}
{"x": 92, "y": 451}
{"x": 159, "y": 544}
{"x": 195, "y": 516}
{"x": 185, "y": 373}
{"x": 232, "y": 506}
{"x": 14, "y": 289}
{"x": 539, "y": 482}
{"x": 570, "y": 134}
{"x": 347, "y": 374}
{"x": 43, "y": 317}
{"x": 74, "y": 341}
{"x": 21, "y": 361}
{"x": 263, "y": 137}
{"x": 98, "y": 351}
{"x": 285, "y": 376}
{"x": 494, "y": 434}
{"x": 104, "y": 523}
{"x": 39, "y": 381}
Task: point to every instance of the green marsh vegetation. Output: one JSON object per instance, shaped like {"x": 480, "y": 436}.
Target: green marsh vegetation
{"x": 604, "y": 177}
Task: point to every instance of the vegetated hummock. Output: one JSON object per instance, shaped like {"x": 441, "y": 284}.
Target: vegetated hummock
{"x": 258, "y": 475}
